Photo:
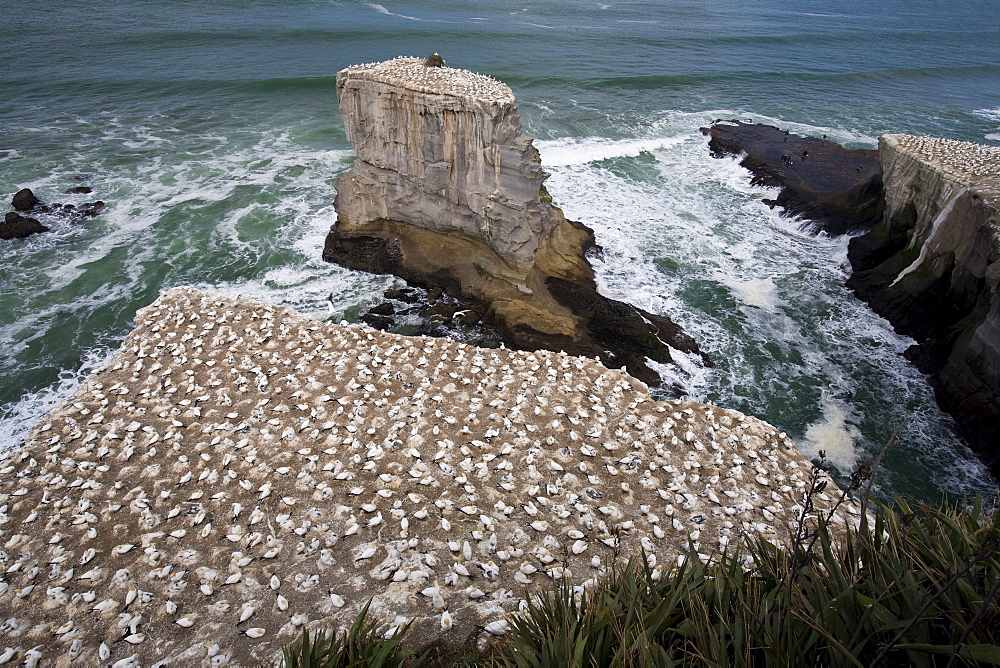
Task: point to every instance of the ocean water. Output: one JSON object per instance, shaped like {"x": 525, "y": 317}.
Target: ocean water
{"x": 211, "y": 130}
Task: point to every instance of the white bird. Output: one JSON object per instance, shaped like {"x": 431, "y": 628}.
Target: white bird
{"x": 248, "y": 609}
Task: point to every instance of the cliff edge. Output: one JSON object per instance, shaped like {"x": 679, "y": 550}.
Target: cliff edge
{"x": 448, "y": 192}
{"x": 930, "y": 267}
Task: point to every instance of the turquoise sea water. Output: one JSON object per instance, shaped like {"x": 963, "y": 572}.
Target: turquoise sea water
{"x": 211, "y": 130}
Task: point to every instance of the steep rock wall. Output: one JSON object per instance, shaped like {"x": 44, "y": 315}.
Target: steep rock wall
{"x": 448, "y": 192}
{"x": 445, "y": 155}
{"x": 930, "y": 267}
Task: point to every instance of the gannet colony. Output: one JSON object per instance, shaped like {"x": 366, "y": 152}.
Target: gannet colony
{"x": 412, "y": 73}
{"x": 966, "y": 160}
{"x": 238, "y": 472}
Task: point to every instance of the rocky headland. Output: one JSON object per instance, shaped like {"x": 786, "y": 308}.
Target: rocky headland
{"x": 931, "y": 268}
{"x": 833, "y": 189}
{"x": 238, "y": 472}
{"x": 447, "y": 192}
{"x": 928, "y": 259}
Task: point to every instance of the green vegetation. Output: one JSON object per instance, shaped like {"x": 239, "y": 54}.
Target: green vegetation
{"x": 919, "y": 588}
{"x": 364, "y": 644}
{"x": 482, "y": 271}
{"x": 543, "y": 195}
{"x": 912, "y": 586}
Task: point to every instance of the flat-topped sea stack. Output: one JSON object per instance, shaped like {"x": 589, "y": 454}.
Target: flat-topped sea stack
{"x": 930, "y": 267}
{"x": 238, "y": 472}
{"x": 834, "y": 189}
{"x": 448, "y": 192}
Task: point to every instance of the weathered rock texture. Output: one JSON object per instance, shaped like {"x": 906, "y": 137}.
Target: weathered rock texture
{"x": 446, "y": 191}
{"x": 834, "y": 189}
{"x": 237, "y": 460}
{"x": 930, "y": 267}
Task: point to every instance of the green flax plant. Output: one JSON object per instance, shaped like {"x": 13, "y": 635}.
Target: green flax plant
{"x": 364, "y": 644}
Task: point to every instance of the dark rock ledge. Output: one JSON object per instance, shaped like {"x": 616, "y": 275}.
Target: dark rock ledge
{"x": 836, "y": 190}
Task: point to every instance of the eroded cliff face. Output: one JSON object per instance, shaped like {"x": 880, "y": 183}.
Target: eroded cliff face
{"x": 441, "y": 149}
{"x": 930, "y": 267}
{"x": 448, "y": 192}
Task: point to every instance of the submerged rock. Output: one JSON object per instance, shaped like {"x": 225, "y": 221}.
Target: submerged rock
{"x": 931, "y": 268}
{"x": 836, "y": 190}
{"x": 447, "y": 192}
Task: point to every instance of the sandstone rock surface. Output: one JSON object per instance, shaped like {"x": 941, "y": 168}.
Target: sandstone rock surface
{"x": 448, "y": 192}
{"x": 239, "y": 471}
{"x": 931, "y": 268}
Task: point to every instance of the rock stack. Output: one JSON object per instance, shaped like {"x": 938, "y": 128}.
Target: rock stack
{"x": 447, "y": 192}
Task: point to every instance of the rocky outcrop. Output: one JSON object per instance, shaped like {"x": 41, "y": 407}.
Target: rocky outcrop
{"x": 834, "y": 189}
{"x": 16, "y": 226}
{"x": 24, "y": 200}
{"x": 930, "y": 267}
{"x": 448, "y": 192}
{"x": 238, "y": 471}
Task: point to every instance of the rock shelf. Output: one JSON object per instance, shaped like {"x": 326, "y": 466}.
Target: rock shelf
{"x": 239, "y": 471}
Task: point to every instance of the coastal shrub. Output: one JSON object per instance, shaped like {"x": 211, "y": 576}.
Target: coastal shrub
{"x": 364, "y": 644}
{"x": 917, "y": 585}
